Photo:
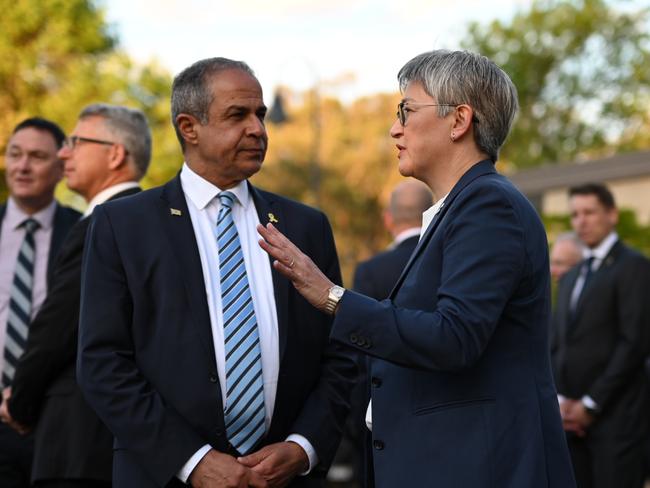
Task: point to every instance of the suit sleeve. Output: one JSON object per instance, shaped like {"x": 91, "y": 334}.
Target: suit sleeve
{"x": 323, "y": 415}
{"x": 633, "y": 330}
{"x": 482, "y": 264}
{"x": 363, "y": 282}
{"x": 52, "y": 341}
{"x": 107, "y": 371}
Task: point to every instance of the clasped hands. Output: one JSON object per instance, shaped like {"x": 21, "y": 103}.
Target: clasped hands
{"x": 5, "y": 416}
{"x": 575, "y": 417}
{"x": 273, "y": 466}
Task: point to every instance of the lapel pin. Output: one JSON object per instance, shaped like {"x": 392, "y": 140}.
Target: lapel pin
{"x": 175, "y": 211}
{"x": 272, "y": 218}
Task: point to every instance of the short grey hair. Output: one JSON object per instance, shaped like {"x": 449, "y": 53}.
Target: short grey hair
{"x": 571, "y": 237}
{"x": 464, "y": 77}
{"x": 190, "y": 91}
{"x": 130, "y": 127}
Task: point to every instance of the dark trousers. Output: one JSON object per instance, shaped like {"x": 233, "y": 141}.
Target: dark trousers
{"x": 16, "y": 453}
{"x": 607, "y": 463}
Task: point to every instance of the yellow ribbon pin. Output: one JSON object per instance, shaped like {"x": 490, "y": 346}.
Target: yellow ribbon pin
{"x": 272, "y": 219}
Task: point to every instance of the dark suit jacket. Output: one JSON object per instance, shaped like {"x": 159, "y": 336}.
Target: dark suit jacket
{"x": 64, "y": 219}
{"x": 70, "y": 441}
{"x": 146, "y": 358}
{"x": 601, "y": 352}
{"x": 377, "y": 276}
{"x": 462, "y": 393}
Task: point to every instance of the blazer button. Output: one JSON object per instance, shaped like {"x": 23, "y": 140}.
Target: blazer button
{"x": 361, "y": 342}
{"x": 213, "y": 378}
{"x": 218, "y": 432}
{"x": 368, "y": 344}
{"x": 377, "y": 444}
{"x": 353, "y": 338}
{"x": 375, "y": 382}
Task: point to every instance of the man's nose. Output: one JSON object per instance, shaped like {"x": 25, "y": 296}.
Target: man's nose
{"x": 64, "y": 152}
{"x": 256, "y": 127}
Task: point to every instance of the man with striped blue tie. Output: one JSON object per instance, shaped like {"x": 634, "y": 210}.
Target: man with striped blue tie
{"x": 32, "y": 228}
{"x": 193, "y": 350}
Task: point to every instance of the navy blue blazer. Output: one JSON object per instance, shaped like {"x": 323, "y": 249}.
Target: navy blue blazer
{"x": 146, "y": 359}
{"x": 460, "y": 375}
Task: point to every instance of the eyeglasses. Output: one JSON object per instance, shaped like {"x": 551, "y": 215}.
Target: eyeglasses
{"x": 72, "y": 141}
{"x": 402, "y": 114}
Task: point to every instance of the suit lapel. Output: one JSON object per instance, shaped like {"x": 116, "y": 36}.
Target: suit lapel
{"x": 479, "y": 169}
{"x": 268, "y": 210}
{"x": 602, "y": 270}
{"x": 177, "y": 224}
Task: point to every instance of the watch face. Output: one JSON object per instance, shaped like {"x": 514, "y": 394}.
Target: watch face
{"x": 337, "y": 291}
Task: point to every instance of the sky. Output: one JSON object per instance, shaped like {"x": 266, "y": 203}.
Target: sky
{"x": 348, "y": 48}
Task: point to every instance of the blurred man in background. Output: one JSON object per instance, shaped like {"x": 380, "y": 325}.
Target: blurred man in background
{"x": 599, "y": 344}
{"x": 33, "y": 227}
{"x": 105, "y": 157}
{"x": 565, "y": 254}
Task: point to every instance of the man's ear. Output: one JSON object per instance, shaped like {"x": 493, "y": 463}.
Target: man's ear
{"x": 118, "y": 156}
{"x": 187, "y": 127}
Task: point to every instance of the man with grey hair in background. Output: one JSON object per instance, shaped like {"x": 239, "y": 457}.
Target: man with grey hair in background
{"x": 565, "y": 254}
{"x": 204, "y": 362}
{"x": 105, "y": 157}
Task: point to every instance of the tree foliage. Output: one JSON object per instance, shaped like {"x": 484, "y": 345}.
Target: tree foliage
{"x": 56, "y": 56}
{"x": 581, "y": 69}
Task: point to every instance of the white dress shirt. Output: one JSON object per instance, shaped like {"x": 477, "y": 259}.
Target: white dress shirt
{"x": 599, "y": 253}
{"x": 107, "y": 193}
{"x": 427, "y": 218}
{"x": 203, "y": 205}
{"x": 11, "y": 238}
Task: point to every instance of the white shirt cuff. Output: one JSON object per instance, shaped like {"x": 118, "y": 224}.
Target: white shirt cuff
{"x": 188, "y": 467}
{"x": 560, "y": 398}
{"x": 309, "y": 450}
{"x": 589, "y": 402}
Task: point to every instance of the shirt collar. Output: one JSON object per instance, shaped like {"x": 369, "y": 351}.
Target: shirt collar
{"x": 430, "y": 213}
{"x": 406, "y": 234}
{"x": 107, "y": 193}
{"x": 201, "y": 192}
{"x": 602, "y": 250}
{"x": 16, "y": 216}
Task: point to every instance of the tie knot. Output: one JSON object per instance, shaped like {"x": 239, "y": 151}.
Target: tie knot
{"x": 227, "y": 199}
{"x": 30, "y": 225}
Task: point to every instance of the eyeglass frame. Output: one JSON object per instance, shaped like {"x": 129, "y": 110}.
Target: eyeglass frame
{"x": 401, "y": 115}
{"x": 71, "y": 141}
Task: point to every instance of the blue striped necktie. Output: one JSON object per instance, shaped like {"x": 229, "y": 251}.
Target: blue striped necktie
{"x": 20, "y": 303}
{"x": 244, "y": 413}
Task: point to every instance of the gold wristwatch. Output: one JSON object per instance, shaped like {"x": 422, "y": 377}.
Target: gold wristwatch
{"x": 336, "y": 292}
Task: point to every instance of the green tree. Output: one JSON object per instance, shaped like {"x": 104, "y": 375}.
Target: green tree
{"x": 56, "y": 56}
{"x": 581, "y": 69}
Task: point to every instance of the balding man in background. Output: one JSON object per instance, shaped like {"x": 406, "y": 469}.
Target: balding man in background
{"x": 403, "y": 219}
{"x": 565, "y": 254}
{"x": 376, "y": 278}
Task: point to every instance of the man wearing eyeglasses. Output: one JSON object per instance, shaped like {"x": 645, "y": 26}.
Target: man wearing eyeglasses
{"x": 105, "y": 157}
{"x": 32, "y": 228}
